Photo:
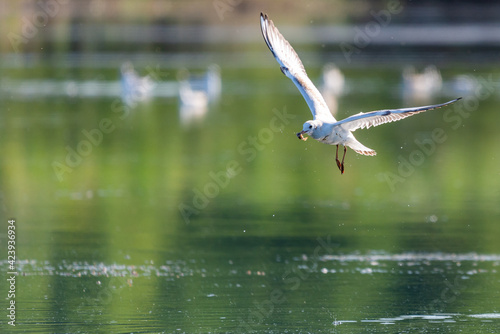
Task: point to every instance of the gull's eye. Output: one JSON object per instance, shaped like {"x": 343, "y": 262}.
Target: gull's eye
{"x": 310, "y": 126}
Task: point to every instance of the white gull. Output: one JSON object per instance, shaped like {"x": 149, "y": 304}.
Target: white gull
{"x": 324, "y": 127}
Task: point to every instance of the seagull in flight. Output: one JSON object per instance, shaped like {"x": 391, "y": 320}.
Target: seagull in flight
{"x": 324, "y": 127}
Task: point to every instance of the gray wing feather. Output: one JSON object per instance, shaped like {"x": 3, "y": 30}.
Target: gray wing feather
{"x": 374, "y": 118}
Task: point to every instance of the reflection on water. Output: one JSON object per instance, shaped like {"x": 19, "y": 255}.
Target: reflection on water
{"x": 407, "y": 263}
{"x": 39, "y": 88}
{"x": 187, "y": 286}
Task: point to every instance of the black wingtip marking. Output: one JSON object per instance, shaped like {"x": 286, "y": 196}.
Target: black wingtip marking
{"x": 263, "y": 28}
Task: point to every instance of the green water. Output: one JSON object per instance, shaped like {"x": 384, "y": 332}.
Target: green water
{"x": 232, "y": 225}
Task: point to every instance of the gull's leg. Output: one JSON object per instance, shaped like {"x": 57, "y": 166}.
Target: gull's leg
{"x": 342, "y": 163}
{"x": 339, "y": 165}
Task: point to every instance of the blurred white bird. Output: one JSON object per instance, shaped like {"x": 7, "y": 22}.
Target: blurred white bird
{"x": 134, "y": 89}
{"x": 324, "y": 127}
{"x": 465, "y": 84}
{"x": 421, "y": 86}
{"x": 197, "y": 92}
{"x": 332, "y": 85}
{"x": 213, "y": 82}
{"x": 193, "y": 103}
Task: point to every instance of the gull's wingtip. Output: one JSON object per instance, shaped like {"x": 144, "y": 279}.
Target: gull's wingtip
{"x": 453, "y": 101}
{"x": 263, "y": 20}
{"x": 449, "y": 102}
{"x": 445, "y": 103}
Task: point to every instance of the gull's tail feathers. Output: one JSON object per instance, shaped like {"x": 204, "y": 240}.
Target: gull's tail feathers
{"x": 360, "y": 148}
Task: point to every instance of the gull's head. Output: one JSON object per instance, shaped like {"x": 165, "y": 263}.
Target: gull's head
{"x": 307, "y": 129}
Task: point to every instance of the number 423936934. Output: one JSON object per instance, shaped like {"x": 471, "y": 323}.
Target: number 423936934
{"x": 11, "y": 248}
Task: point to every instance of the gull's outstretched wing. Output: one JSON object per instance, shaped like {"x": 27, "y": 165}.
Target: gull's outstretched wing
{"x": 374, "y": 118}
{"x": 292, "y": 67}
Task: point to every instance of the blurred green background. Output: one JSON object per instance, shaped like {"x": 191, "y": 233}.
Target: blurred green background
{"x": 151, "y": 206}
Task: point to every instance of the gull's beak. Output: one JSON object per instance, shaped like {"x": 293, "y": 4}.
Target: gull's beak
{"x": 300, "y": 135}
